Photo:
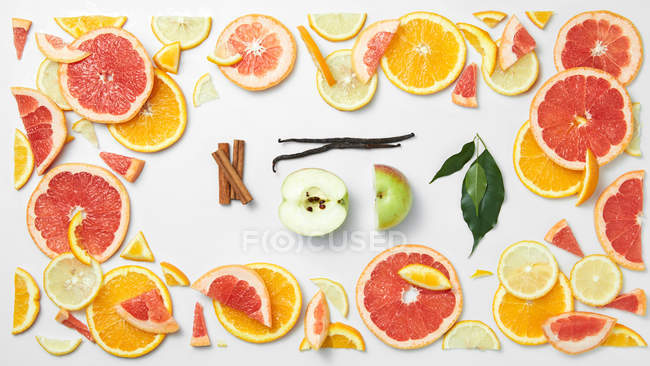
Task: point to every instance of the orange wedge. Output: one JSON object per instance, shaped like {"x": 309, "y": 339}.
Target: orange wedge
{"x": 490, "y": 17}
{"x": 539, "y": 18}
{"x": 26, "y": 301}
{"x": 590, "y": 180}
{"x": 168, "y": 57}
{"x": 339, "y": 335}
{"x": 173, "y": 275}
{"x": 316, "y": 55}
{"x": 23, "y": 160}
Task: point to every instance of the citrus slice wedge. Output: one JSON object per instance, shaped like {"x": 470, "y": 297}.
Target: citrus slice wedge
{"x": 76, "y": 247}
{"x": 562, "y": 237}
{"x": 27, "y": 302}
{"x": 138, "y": 249}
{"x": 200, "y": 337}
{"x": 490, "y": 17}
{"x": 527, "y": 270}
{"x": 317, "y": 320}
{"x": 337, "y": 27}
{"x": 424, "y": 276}
{"x": 58, "y": 347}
{"x": 174, "y": 276}
{"x": 339, "y": 335}
{"x": 78, "y": 26}
{"x": 471, "y": 334}
{"x": 69, "y": 283}
{"x": 577, "y": 332}
{"x": 316, "y": 56}
{"x": 634, "y": 147}
{"x": 539, "y": 18}
{"x": 204, "y": 90}
{"x": 590, "y": 180}
{"x": 23, "y": 160}
{"x": 596, "y": 280}
{"x": 481, "y": 41}
{"x": 516, "y": 42}
{"x": 168, "y": 57}
{"x": 633, "y": 301}
{"x": 481, "y": 273}
{"x": 370, "y": 46}
{"x": 148, "y": 313}
{"x": 128, "y": 167}
{"x": 189, "y": 31}
{"x": 348, "y": 94}
{"x": 517, "y": 79}
{"x": 220, "y": 58}
{"x": 86, "y": 129}
{"x": 464, "y": 93}
{"x": 335, "y": 294}
{"x": 47, "y": 81}
{"x": 55, "y": 49}
{"x": 622, "y": 336}
{"x": 20, "y": 28}
{"x": 69, "y": 320}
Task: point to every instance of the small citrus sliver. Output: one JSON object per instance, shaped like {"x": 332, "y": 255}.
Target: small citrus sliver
{"x": 204, "y": 90}
{"x": 75, "y": 245}
{"x": 23, "y": 160}
{"x": 138, "y": 249}
{"x": 224, "y": 60}
{"x": 424, "y": 276}
{"x": 634, "y": 147}
{"x": 590, "y": 180}
{"x": 490, "y": 17}
{"x": 173, "y": 275}
{"x": 481, "y": 273}
{"x": 87, "y": 130}
{"x": 316, "y": 55}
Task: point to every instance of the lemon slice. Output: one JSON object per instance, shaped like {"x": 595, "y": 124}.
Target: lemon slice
{"x": 519, "y": 77}
{"x": 58, "y": 347}
{"x": 337, "y": 27}
{"x": 168, "y": 57}
{"x": 471, "y": 334}
{"x": 490, "y": 17}
{"x": 335, "y": 294}
{"x": 79, "y": 253}
{"x": 424, "y": 276}
{"x": 47, "y": 81}
{"x": 348, "y": 94}
{"x": 87, "y": 130}
{"x": 23, "y": 160}
{"x": 204, "y": 90}
{"x": 481, "y": 273}
{"x": 69, "y": 283}
{"x": 339, "y": 335}
{"x": 482, "y": 43}
{"x": 27, "y": 302}
{"x": 527, "y": 270}
{"x": 596, "y": 280}
{"x": 189, "y": 31}
{"x": 173, "y": 275}
{"x": 634, "y": 147}
{"x": 224, "y": 60}
{"x": 138, "y": 249}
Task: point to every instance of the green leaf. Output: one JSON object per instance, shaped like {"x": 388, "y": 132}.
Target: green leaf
{"x": 475, "y": 184}
{"x": 456, "y": 162}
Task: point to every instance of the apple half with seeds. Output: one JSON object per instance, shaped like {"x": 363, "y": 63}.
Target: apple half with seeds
{"x": 314, "y": 202}
{"x": 393, "y": 196}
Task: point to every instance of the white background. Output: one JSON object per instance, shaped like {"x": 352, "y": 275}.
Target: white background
{"x": 174, "y": 202}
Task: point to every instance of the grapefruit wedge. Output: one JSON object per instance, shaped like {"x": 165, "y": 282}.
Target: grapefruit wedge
{"x": 399, "y": 314}
{"x": 69, "y": 320}
{"x": 148, "y": 313}
{"x": 603, "y": 40}
{"x": 200, "y": 336}
{"x": 125, "y": 166}
{"x": 114, "y": 82}
{"x": 55, "y": 49}
{"x": 617, "y": 217}
{"x": 516, "y": 42}
{"x": 464, "y": 93}
{"x": 267, "y": 48}
{"x": 579, "y": 109}
{"x": 20, "y": 29}
{"x": 577, "y": 332}
{"x": 317, "y": 320}
{"x": 74, "y": 187}
{"x": 237, "y": 287}
{"x": 562, "y": 237}
{"x": 633, "y": 301}
{"x": 370, "y": 47}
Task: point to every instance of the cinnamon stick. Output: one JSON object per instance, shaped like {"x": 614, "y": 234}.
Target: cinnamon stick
{"x": 224, "y": 185}
{"x": 234, "y": 179}
{"x": 237, "y": 162}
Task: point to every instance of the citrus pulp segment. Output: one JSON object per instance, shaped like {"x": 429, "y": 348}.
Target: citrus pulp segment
{"x": 71, "y": 284}
{"x": 73, "y": 187}
{"x": 633, "y": 301}
{"x": 114, "y": 82}
{"x": 622, "y": 336}
{"x": 27, "y": 302}
{"x": 482, "y": 43}
{"x": 138, "y": 249}
{"x": 204, "y": 90}
{"x": 128, "y": 167}
{"x": 348, "y": 94}
{"x": 515, "y": 43}
{"x": 426, "y": 55}
{"x": 200, "y": 337}
{"x": 316, "y": 55}
{"x": 112, "y": 333}
{"x": 339, "y": 335}
{"x": 160, "y": 122}
{"x": 286, "y": 303}
{"x": 148, "y": 313}
{"x": 603, "y": 40}
{"x": 370, "y": 47}
{"x": 562, "y": 237}
{"x": 399, "y": 314}
{"x": 188, "y": 31}
{"x": 58, "y": 347}
{"x": 539, "y": 18}
{"x": 337, "y": 27}
{"x": 634, "y": 147}
{"x": 80, "y": 25}
{"x": 590, "y": 180}
{"x": 20, "y": 28}
{"x": 527, "y": 270}
{"x": 47, "y": 81}
{"x": 577, "y": 332}
{"x": 168, "y": 57}
{"x": 174, "y": 276}
{"x": 580, "y": 109}
{"x": 521, "y": 320}
{"x": 23, "y": 160}
{"x": 471, "y": 334}
{"x": 464, "y": 93}
{"x": 267, "y": 48}
{"x": 490, "y": 17}
{"x": 335, "y": 294}
{"x": 317, "y": 320}
{"x": 517, "y": 79}
{"x": 596, "y": 280}
{"x": 55, "y": 49}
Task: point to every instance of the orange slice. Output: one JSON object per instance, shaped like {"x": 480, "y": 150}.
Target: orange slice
{"x": 138, "y": 249}
{"x": 77, "y": 26}
{"x": 27, "y": 303}
{"x": 483, "y": 44}
{"x": 316, "y": 56}
{"x": 168, "y": 57}
{"x": 622, "y": 336}
{"x": 173, "y": 275}
{"x": 339, "y": 335}
{"x": 539, "y": 18}
{"x": 481, "y": 273}
{"x": 490, "y": 17}
{"x": 590, "y": 180}
{"x": 23, "y": 160}
{"x": 75, "y": 243}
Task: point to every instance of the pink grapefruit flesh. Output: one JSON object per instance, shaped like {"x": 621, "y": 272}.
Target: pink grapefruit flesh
{"x": 20, "y": 29}
{"x": 69, "y": 188}
{"x": 317, "y": 320}
{"x": 200, "y": 336}
{"x": 399, "y": 314}
{"x": 580, "y": 109}
{"x": 66, "y": 318}
{"x": 464, "y": 93}
{"x": 633, "y": 301}
{"x": 617, "y": 215}
{"x": 240, "y": 288}
{"x": 577, "y": 332}
{"x": 148, "y": 313}
{"x": 114, "y": 82}
{"x": 602, "y": 40}
{"x": 44, "y": 124}
{"x": 126, "y": 166}
{"x": 516, "y": 42}
{"x": 562, "y": 237}
{"x": 370, "y": 46}
{"x": 55, "y": 49}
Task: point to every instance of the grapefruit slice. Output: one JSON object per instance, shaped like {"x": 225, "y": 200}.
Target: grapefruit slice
{"x": 633, "y": 301}
{"x": 44, "y": 124}
{"x": 69, "y": 188}
{"x": 317, "y": 320}
{"x": 562, "y": 237}
{"x": 617, "y": 215}
{"x": 55, "y": 49}
{"x": 464, "y": 93}
{"x": 114, "y": 82}
{"x": 200, "y": 336}
{"x": 148, "y": 313}
{"x": 622, "y": 336}
{"x": 370, "y": 46}
{"x": 577, "y": 332}
{"x": 20, "y": 30}
{"x": 66, "y": 318}
{"x": 400, "y": 314}
{"x": 237, "y": 287}
{"x": 516, "y": 42}
{"x": 579, "y": 109}
{"x": 125, "y": 166}
{"x": 603, "y": 40}
{"x": 267, "y": 48}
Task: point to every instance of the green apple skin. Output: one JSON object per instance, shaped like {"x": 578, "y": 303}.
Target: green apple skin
{"x": 393, "y": 196}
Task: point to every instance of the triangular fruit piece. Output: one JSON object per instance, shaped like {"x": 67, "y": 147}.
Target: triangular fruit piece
{"x": 490, "y": 17}
{"x": 44, "y": 125}
{"x": 138, "y": 249}
{"x": 87, "y": 130}
{"x": 577, "y": 332}
{"x": 20, "y": 29}
{"x": 539, "y": 18}
{"x": 148, "y": 313}
{"x": 200, "y": 336}
{"x": 66, "y": 318}
{"x": 633, "y": 301}
{"x": 562, "y": 237}
{"x": 168, "y": 57}
{"x": 370, "y": 47}
{"x": 125, "y": 166}
{"x": 238, "y": 287}
{"x": 516, "y": 42}
{"x": 55, "y": 49}
{"x": 173, "y": 275}
{"x": 317, "y": 320}
{"x": 464, "y": 93}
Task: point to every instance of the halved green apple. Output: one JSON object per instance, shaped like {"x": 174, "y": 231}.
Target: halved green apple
{"x": 393, "y": 196}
